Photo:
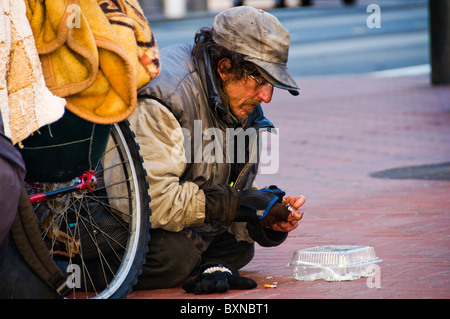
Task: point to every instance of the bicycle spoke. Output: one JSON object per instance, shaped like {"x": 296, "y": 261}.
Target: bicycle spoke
{"x": 97, "y": 229}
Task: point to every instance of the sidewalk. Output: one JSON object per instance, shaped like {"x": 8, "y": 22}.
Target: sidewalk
{"x": 333, "y": 136}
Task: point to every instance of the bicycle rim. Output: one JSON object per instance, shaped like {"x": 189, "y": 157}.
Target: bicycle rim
{"x": 100, "y": 238}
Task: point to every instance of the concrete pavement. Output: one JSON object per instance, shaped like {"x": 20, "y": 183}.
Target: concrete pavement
{"x": 335, "y": 137}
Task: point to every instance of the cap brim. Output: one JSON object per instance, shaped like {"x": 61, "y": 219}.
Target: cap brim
{"x": 276, "y": 74}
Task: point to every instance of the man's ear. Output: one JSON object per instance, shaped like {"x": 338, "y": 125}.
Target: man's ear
{"x": 223, "y": 68}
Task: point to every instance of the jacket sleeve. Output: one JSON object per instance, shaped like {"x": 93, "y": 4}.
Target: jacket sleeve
{"x": 175, "y": 204}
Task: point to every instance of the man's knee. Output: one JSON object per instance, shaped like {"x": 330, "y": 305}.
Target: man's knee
{"x": 169, "y": 261}
{"x": 225, "y": 248}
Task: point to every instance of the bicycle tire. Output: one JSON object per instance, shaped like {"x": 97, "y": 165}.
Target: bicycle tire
{"x": 103, "y": 234}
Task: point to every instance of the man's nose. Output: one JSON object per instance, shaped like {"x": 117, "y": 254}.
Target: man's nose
{"x": 265, "y": 94}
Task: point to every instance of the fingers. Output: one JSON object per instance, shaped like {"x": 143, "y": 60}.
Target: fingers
{"x": 294, "y": 217}
{"x": 290, "y": 224}
{"x": 285, "y": 226}
{"x": 296, "y": 201}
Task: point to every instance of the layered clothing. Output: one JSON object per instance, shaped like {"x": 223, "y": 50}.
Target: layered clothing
{"x": 188, "y": 142}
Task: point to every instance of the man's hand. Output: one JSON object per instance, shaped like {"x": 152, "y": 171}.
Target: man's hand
{"x": 289, "y": 209}
{"x": 270, "y": 208}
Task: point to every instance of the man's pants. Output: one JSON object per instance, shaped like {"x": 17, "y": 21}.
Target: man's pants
{"x": 173, "y": 257}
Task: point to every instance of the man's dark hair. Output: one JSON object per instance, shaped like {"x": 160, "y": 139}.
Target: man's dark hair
{"x": 204, "y": 41}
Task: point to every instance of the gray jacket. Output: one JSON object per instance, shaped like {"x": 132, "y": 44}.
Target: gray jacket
{"x": 185, "y": 132}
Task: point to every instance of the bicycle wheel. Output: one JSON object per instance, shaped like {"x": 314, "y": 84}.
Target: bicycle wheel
{"x": 100, "y": 237}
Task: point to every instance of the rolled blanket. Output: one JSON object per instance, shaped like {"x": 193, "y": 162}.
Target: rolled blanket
{"x": 95, "y": 54}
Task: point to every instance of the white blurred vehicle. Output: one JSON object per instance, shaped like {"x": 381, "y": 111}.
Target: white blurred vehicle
{"x": 281, "y": 3}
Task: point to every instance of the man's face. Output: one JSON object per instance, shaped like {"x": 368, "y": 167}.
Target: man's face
{"x": 245, "y": 94}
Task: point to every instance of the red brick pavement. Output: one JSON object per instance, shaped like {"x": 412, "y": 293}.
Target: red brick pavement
{"x": 332, "y": 136}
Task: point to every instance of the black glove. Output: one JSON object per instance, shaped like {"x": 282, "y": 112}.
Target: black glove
{"x": 215, "y": 277}
{"x": 262, "y": 206}
{"x": 266, "y": 237}
{"x": 221, "y": 203}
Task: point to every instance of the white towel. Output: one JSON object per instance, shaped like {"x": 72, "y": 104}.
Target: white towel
{"x": 26, "y": 103}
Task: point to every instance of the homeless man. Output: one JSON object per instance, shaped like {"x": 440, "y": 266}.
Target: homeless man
{"x": 206, "y": 210}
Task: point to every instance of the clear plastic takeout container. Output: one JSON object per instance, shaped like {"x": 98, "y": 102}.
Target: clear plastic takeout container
{"x": 334, "y": 263}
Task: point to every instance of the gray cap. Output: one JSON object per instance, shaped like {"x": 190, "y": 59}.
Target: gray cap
{"x": 261, "y": 38}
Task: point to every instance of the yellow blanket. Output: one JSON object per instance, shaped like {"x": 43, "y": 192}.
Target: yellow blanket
{"x": 94, "y": 53}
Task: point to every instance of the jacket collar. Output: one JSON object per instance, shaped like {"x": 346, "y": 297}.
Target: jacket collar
{"x": 256, "y": 119}
{"x": 215, "y": 101}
